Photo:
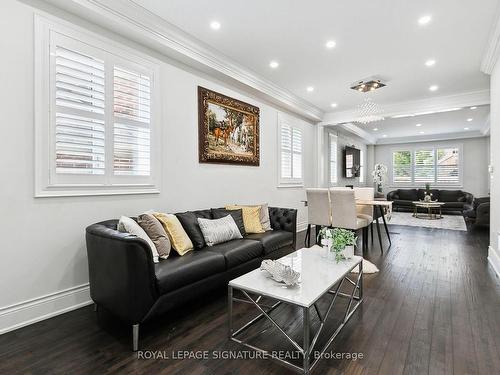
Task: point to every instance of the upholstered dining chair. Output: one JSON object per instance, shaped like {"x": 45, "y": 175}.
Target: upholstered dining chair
{"x": 318, "y": 211}
{"x": 344, "y": 214}
{"x": 365, "y": 210}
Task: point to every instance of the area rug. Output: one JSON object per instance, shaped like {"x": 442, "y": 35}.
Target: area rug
{"x": 368, "y": 267}
{"x": 452, "y": 222}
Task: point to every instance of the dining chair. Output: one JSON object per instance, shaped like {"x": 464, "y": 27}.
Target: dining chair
{"x": 365, "y": 210}
{"x": 318, "y": 211}
{"x": 344, "y": 214}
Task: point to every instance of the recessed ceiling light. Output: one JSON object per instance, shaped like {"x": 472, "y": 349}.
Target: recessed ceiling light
{"x": 375, "y": 129}
{"x": 422, "y": 132}
{"x": 215, "y": 25}
{"x": 330, "y": 44}
{"x": 430, "y": 62}
{"x": 473, "y": 107}
{"x": 334, "y": 105}
{"x": 469, "y": 119}
{"x": 424, "y": 20}
{"x": 310, "y": 89}
{"x": 274, "y": 64}
{"x": 434, "y": 88}
{"x": 385, "y": 136}
{"x": 418, "y": 125}
{"x": 466, "y": 128}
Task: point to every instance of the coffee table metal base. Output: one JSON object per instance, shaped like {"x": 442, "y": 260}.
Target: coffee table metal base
{"x": 307, "y": 346}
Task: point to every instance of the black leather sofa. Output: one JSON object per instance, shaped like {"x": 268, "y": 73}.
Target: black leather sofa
{"x": 478, "y": 213}
{"x": 454, "y": 200}
{"x": 125, "y": 281}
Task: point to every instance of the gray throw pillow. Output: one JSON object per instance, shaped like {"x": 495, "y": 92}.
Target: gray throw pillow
{"x": 219, "y": 230}
{"x": 155, "y": 231}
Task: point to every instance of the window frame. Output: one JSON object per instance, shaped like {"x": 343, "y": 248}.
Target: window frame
{"x": 361, "y": 166}
{"x": 434, "y": 149}
{"x": 333, "y": 137}
{"x": 285, "y": 181}
{"x": 49, "y": 32}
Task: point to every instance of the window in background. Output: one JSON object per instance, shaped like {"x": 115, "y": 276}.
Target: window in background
{"x": 96, "y": 136}
{"x": 361, "y": 167}
{"x": 401, "y": 167}
{"x": 332, "y": 139}
{"x": 290, "y": 158}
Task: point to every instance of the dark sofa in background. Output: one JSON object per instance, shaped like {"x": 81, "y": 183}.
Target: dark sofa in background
{"x": 478, "y": 213}
{"x": 125, "y": 281}
{"x": 454, "y": 200}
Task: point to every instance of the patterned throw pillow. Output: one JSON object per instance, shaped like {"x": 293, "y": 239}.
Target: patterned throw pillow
{"x": 128, "y": 225}
{"x": 219, "y": 230}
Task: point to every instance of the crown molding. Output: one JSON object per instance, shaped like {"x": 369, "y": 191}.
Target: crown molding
{"x": 492, "y": 50}
{"x": 430, "y": 138}
{"x": 127, "y": 18}
{"x": 441, "y": 103}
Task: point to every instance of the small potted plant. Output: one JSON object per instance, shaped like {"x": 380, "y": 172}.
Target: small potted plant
{"x": 340, "y": 242}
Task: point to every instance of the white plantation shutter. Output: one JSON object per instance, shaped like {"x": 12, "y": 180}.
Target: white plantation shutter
{"x": 290, "y": 154}
{"x": 333, "y": 158}
{"x": 447, "y": 166}
{"x": 95, "y": 130}
{"x": 401, "y": 165}
{"x": 424, "y": 166}
{"x": 79, "y": 113}
{"x": 132, "y": 116}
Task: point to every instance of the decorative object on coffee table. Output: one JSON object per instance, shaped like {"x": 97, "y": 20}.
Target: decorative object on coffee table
{"x": 428, "y": 194}
{"x": 379, "y": 178}
{"x": 280, "y": 273}
{"x": 228, "y": 129}
{"x": 340, "y": 242}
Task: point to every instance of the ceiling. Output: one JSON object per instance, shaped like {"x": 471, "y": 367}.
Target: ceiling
{"x": 446, "y": 123}
{"x": 379, "y": 37}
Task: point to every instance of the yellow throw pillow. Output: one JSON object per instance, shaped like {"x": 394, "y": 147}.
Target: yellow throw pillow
{"x": 251, "y": 218}
{"x": 176, "y": 233}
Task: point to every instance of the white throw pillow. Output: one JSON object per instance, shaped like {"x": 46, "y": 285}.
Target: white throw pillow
{"x": 219, "y": 230}
{"x": 128, "y": 225}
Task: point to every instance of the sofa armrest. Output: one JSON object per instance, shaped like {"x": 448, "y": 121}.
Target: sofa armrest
{"x": 469, "y": 198}
{"x": 284, "y": 219}
{"x": 483, "y": 213}
{"x": 392, "y": 195}
{"x": 121, "y": 272}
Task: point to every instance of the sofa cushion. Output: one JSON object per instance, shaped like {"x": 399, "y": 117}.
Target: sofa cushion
{"x": 408, "y": 194}
{"x": 237, "y": 252}
{"x": 178, "y": 271}
{"x": 189, "y": 221}
{"x": 457, "y": 205}
{"x": 237, "y": 215}
{"x": 272, "y": 240}
{"x": 399, "y": 202}
{"x": 450, "y": 195}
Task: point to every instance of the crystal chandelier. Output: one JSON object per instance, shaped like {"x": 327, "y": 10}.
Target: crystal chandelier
{"x": 368, "y": 111}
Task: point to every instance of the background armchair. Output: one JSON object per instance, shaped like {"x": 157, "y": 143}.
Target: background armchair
{"x": 478, "y": 212}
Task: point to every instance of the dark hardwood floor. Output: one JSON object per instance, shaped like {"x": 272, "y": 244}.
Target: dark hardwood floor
{"x": 433, "y": 308}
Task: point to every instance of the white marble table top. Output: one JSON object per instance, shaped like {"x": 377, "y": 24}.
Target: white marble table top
{"x": 318, "y": 275}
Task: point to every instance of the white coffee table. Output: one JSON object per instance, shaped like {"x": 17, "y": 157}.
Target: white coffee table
{"x": 432, "y": 210}
{"x": 319, "y": 276}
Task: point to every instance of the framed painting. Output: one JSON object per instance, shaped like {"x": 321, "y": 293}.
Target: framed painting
{"x": 228, "y": 129}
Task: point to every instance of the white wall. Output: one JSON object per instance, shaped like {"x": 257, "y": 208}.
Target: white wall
{"x": 475, "y": 161}
{"x": 494, "y": 252}
{"x": 344, "y": 138}
{"x": 43, "y": 250}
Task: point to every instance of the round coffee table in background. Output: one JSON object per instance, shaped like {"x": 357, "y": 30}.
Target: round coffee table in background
{"x": 433, "y": 208}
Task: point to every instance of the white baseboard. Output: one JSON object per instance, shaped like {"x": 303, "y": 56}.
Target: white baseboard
{"x": 494, "y": 260}
{"x": 34, "y": 310}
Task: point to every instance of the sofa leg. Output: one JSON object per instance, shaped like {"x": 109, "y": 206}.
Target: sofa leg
{"x": 135, "y": 337}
